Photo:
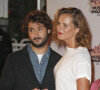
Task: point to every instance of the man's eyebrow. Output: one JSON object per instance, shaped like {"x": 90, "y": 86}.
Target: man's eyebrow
{"x": 41, "y": 26}
{"x": 30, "y": 28}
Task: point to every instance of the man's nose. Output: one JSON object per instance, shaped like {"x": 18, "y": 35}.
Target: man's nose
{"x": 36, "y": 33}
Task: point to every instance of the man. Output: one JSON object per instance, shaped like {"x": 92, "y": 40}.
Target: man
{"x": 32, "y": 67}
{"x": 5, "y": 47}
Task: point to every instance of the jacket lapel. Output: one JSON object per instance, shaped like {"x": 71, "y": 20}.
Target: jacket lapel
{"x": 29, "y": 66}
{"x": 49, "y": 66}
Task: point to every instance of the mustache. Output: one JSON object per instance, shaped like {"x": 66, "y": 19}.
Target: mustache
{"x": 37, "y": 38}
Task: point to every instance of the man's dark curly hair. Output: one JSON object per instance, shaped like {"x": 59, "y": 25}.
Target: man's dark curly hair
{"x": 36, "y": 16}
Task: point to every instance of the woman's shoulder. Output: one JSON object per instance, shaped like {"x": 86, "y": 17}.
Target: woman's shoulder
{"x": 83, "y": 51}
{"x": 83, "y": 54}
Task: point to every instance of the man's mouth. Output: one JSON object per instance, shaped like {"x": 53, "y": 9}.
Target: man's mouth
{"x": 37, "y": 39}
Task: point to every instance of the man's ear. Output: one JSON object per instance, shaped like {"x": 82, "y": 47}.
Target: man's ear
{"x": 49, "y": 31}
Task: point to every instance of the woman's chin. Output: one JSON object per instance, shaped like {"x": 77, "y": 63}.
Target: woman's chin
{"x": 60, "y": 38}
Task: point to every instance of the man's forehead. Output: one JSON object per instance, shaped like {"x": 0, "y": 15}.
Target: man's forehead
{"x": 38, "y": 23}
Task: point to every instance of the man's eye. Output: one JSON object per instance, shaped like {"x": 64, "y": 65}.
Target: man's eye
{"x": 31, "y": 30}
{"x": 40, "y": 29}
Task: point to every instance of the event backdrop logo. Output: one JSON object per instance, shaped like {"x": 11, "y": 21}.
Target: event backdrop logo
{"x": 95, "y": 54}
{"x": 95, "y": 6}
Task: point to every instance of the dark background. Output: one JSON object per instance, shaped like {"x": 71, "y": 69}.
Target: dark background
{"x": 17, "y": 10}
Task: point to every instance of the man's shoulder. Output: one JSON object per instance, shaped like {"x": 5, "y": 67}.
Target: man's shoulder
{"x": 19, "y": 53}
{"x": 54, "y": 53}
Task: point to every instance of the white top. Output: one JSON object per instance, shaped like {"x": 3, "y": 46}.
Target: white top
{"x": 40, "y": 57}
{"x": 75, "y": 64}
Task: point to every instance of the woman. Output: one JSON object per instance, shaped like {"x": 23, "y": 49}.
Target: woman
{"x": 73, "y": 71}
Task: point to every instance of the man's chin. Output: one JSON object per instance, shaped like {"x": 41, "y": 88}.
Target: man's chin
{"x": 38, "y": 45}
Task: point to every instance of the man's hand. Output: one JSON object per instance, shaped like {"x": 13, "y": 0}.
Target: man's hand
{"x": 44, "y": 89}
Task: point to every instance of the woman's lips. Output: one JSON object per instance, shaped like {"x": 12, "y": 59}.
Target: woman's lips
{"x": 60, "y": 33}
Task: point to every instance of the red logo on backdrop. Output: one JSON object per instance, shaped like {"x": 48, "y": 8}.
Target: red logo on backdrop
{"x": 95, "y": 6}
{"x": 95, "y": 54}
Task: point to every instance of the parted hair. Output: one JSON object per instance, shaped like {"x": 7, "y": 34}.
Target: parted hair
{"x": 36, "y": 16}
{"x": 79, "y": 20}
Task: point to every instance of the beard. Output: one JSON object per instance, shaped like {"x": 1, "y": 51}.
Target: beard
{"x": 44, "y": 41}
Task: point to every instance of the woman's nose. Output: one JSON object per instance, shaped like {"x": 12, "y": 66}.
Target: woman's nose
{"x": 60, "y": 27}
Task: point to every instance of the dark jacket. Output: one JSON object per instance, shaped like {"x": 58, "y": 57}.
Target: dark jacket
{"x": 18, "y": 73}
{"x": 5, "y": 47}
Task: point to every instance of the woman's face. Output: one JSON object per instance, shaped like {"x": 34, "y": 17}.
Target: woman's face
{"x": 66, "y": 30}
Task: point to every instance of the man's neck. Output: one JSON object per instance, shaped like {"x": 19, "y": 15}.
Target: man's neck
{"x": 40, "y": 50}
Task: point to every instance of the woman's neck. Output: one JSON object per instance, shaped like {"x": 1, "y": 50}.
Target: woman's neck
{"x": 71, "y": 43}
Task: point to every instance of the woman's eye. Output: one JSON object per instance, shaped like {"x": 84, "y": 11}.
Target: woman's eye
{"x": 65, "y": 25}
{"x": 58, "y": 23}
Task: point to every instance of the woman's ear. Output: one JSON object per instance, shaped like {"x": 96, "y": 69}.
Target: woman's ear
{"x": 77, "y": 30}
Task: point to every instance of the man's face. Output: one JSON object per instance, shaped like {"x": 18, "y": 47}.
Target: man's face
{"x": 38, "y": 34}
